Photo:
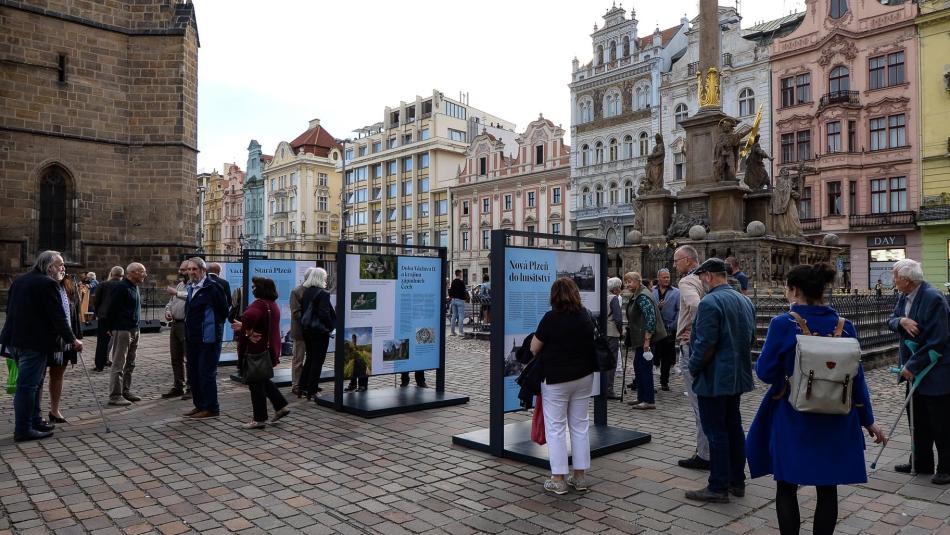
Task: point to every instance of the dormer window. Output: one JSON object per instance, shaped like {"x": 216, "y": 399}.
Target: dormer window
{"x": 838, "y": 8}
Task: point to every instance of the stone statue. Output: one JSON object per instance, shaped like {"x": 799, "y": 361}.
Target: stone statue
{"x": 784, "y": 206}
{"x": 756, "y": 177}
{"x": 681, "y": 223}
{"x": 726, "y": 154}
{"x": 654, "y": 176}
{"x": 638, "y": 215}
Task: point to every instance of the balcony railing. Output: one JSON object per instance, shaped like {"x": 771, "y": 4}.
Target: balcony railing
{"x": 883, "y": 219}
{"x": 727, "y": 60}
{"x": 811, "y": 224}
{"x": 692, "y": 68}
{"x": 934, "y": 212}
{"x": 839, "y": 97}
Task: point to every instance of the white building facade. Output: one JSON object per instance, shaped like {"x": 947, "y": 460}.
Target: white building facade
{"x": 615, "y": 114}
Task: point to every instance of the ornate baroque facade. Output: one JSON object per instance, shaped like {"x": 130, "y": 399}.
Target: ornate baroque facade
{"x": 845, "y": 97}
{"x": 254, "y": 213}
{"x": 232, "y": 225}
{"x": 495, "y": 191}
{"x": 615, "y": 115}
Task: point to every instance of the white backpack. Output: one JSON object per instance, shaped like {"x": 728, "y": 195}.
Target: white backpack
{"x": 825, "y": 369}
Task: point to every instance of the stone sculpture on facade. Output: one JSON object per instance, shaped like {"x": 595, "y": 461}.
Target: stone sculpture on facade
{"x": 726, "y": 155}
{"x": 638, "y": 215}
{"x": 756, "y": 176}
{"x": 654, "y": 174}
{"x": 682, "y": 222}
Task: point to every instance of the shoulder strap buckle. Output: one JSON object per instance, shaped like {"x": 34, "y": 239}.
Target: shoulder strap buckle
{"x": 801, "y": 323}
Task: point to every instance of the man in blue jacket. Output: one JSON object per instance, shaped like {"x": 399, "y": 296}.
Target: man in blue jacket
{"x": 206, "y": 309}
{"x": 921, "y": 316}
{"x": 37, "y": 326}
{"x": 721, "y": 363}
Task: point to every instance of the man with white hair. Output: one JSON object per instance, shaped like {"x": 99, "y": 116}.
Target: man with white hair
{"x": 206, "y": 310}
{"x": 37, "y": 326}
{"x": 175, "y": 316}
{"x": 921, "y": 316}
{"x": 125, "y": 311}
{"x": 614, "y": 328}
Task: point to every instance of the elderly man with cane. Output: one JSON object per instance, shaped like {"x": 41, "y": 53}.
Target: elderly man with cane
{"x": 921, "y": 320}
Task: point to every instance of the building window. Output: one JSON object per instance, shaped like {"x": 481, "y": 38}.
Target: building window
{"x": 486, "y": 205}
{"x": 377, "y": 146}
{"x": 407, "y": 187}
{"x": 407, "y": 164}
{"x": 878, "y": 133}
{"x": 804, "y": 204}
{"x": 642, "y": 97}
{"x": 585, "y": 155}
{"x": 348, "y": 154}
{"x": 424, "y": 185}
{"x": 423, "y": 238}
{"x": 424, "y": 209}
{"x": 464, "y": 240}
{"x": 322, "y": 227}
{"x": 896, "y": 130}
{"x": 838, "y": 8}
{"x": 391, "y": 214}
{"x": 530, "y": 228}
{"x": 788, "y": 147}
{"x": 407, "y": 211}
{"x": 796, "y": 90}
{"x": 407, "y": 239}
{"x": 877, "y": 72}
{"x": 853, "y": 197}
{"x": 391, "y": 168}
{"x": 556, "y": 230}
{"x": 322, "y": 179}
{"x": 889, "y": 195}
{"x": 680, "y": 113}
{"x": 804, "y": 145}
{"x": 834, "y": 137}
{"x": 852, "y": 136}
{"x": 465, "y": 208}
{"x": 613, "y": 193}
{"x": 628, "y": 146}
{"x": 531, "y": 199}
{"x": 423, "y": 134}
{"x": 424, "y": 161}
{"x": 456, "y": 135}
{"x": 443, "y": 237}
{"x": 895, "y": 68}
{"x": 455, "y": 110}
{"x": 508, "y": 202}
{"x": 377, "y": 216}
{"x": 486, "y": 239}
{"x": 679, "y": 166}
{"x": 587, "y": 199}
{"x": 839, "y": 80}
{"x": 612, "y": 150}
{"x": 585, "y": 112}
{"x": 834, "y": 198}
{"x": 55, "y": 210}
{"x": 392, "y": 191}
{"x": 482, "y": 166}
{"x": 628, "y": 192}
{"x": 441, "y": 207}
{"x": 407, "y": 138}
{"x": 599, "y": 195}
{"x": 556, "y": 195}
{"x": 599, "y": 152}
{"x": 360, "y": 197}
{"x": 361, "y": 150}
{"x": 746, "y": 102}
{"x": 644, "y": 144}
{"x": 612, "y": 105}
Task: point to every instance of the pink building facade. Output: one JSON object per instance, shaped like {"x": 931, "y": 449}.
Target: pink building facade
{"x": 845, "y": 108}
{"x": 232, "y": 210}
{"x": 527, "y": 191}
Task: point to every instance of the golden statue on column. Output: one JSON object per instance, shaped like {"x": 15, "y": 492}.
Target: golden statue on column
{"x": 708, "y": 87}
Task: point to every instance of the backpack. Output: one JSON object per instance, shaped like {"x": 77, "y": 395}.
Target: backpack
{"x": 310, "y": 320}
{"x": 825, "y": 369}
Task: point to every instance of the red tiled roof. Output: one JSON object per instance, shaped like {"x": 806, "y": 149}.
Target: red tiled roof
{"x": 266, "y": 158}
{"x": 316, "y": 141}
{"x": 665, "y": 36}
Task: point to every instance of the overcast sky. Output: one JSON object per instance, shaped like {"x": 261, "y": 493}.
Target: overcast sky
{"x": 266, "y": 68}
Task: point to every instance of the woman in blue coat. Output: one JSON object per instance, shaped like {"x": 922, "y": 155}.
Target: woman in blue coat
{"x": 800, "y": 448}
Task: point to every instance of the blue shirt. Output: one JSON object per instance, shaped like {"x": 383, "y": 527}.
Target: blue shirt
{"x": 670, "y": 309}
{"x": 721, "y": 348}
{"x": 743, "y": 280}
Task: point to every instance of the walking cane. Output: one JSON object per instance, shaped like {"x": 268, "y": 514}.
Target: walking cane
{"x": 909, "y": 404}
{"x": 623, "y": 374}
{"x": 93, "y": 389}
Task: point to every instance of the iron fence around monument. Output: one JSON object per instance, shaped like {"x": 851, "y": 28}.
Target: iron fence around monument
{"x": 868, "y": 313}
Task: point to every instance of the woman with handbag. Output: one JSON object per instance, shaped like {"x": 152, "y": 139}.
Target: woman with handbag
{"x": 807, "y": 448}
{"x": 566, "y": 335}
{"x": 316, "y": 306}
{"x": 258, "y": 337}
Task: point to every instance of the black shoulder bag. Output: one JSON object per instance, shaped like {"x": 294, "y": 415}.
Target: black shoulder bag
{"x": 604, "y": 359}
{"x": 258, "y": 366}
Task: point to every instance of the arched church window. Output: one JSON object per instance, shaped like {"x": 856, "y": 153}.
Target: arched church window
{"x": 55, "y": 209}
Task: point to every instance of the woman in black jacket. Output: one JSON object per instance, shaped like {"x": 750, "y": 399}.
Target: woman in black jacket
{"x": 316, "y": 341}
{"x": 566, "y": 335}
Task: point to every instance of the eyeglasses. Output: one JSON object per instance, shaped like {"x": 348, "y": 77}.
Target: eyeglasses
{"x": 675, "y": 260}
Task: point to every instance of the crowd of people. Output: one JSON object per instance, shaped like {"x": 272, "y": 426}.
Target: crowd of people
{"x": 704, "y": 326}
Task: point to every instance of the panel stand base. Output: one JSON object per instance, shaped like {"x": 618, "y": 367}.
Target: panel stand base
{"x": 386, "y": 401}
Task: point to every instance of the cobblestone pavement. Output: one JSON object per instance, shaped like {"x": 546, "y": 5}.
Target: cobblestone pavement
{"x": 319, "y": 471}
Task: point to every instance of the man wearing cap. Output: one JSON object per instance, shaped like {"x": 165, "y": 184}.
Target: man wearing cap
{"x": 721, "y": 363}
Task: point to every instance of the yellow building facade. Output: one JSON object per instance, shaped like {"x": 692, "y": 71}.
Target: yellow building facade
{"x": 933, "y": 28}
{"x": 211, "y": 192}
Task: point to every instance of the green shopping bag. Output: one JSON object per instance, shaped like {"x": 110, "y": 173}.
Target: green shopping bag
{"x": 12, "y": 372}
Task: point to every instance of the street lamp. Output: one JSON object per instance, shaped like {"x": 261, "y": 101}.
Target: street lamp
{"x": 242, "y": 241}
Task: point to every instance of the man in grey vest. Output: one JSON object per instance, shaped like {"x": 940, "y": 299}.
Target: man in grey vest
{"x": 685, "y": 261}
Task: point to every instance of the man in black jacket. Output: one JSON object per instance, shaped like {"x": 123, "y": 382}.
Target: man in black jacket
{"x": 101, "y": 306}
{"x": 125, "y": 310}
{"x": 37, "y": 325}
{"x": 214, "y": 273}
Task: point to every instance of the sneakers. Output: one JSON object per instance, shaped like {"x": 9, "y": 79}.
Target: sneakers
{"x": 131, "y": 397}
{"x": 579, "y": 483}
{"x": 119, "y": 402}
{"x": 706, "y": 495}
{"x": 695, "y": 462}
{"x": 254, "y": 425}
{"x": 280, "y": 414}
{"x": 644, "y": 406}
{"x": 558, "y": 487}
{"x": 173, "y": 393}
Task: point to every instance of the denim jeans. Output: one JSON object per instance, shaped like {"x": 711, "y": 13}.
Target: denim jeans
{"x": 202, "y": 364}
{"x": 644, "y": 371}
{"x": 458, "y": 314}
{"x": 29, "y": 385}
{"x": 722, "y": 424}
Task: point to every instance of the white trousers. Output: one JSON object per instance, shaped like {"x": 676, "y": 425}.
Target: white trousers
{"x": 702, "y": 443}
{"x": 565, "y": 406}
